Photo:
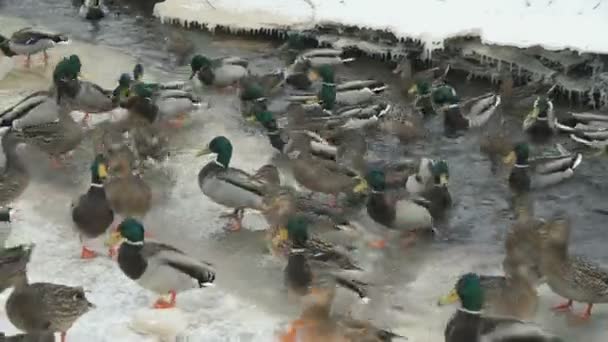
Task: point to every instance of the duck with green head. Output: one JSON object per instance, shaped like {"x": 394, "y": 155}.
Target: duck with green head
{"x": 352, "y": 93}
{"x": 310, "y": 259}
{"x": 429, "y": 97}
{"x": 540, "y": 122}
{"x": 527, "y": 175}
{"x": 92, "y": 214}
{"x": 27, "y": 42}
{"x": 158, "y": 267}
{"x": 469, "y": 324}
{"x": 220, "y": 72}
{"x": 229, "y": 186}
{"x": 394, "y": 212}
{"x": 66, "y": 72}
{"x": 436, "y": 191}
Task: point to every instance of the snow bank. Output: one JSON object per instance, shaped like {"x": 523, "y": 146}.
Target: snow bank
{"x": 554, "y": 24}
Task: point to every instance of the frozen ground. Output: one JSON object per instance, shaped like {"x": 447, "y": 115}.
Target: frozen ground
{"x": 248, "y": 304}
{"x": 555, "y": 24}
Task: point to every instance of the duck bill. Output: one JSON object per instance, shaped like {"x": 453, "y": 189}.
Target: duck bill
{"x": 281, "y": 237}
{"x": 313, "y": 76}
{"x": 413, "y": 90}
{"x": 448, "y": 299}
{"x": 203, "y": 152}
{"x": 102, "y": 171}
{"x": 443, "y": 180}
{"x": 115, "y": 238}
{"x": 510, "y": 158}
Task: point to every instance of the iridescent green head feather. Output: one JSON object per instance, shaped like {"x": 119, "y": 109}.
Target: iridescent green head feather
{"x": 326, "y": 72}
{"x": 125, "y": 80}
{"x": 376, "y": 180}
{"x": 470, "y": 292}
{"x": 440, "y": 171}
{"x": 223, "y": 148}
{"x": 141, "y": 90}
{"x": 264, "y": 117}
{"x": 423, "y": 87}
{"x": 542, "y": 104}
{"x": 132, "y": 230}
{"x": 522, "y": 152}
{"x": 198, "y": 62}
{"x": 297, "y": 228}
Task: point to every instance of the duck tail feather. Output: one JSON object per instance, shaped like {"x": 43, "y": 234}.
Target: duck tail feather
{"x": 355, "y": 286}
{"x": 203, "y": 275}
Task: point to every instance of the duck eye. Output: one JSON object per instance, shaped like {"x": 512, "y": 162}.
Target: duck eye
{"x": 78, "y": 296}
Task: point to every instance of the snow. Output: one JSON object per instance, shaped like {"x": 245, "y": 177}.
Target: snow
{"x": 554, "y": 24}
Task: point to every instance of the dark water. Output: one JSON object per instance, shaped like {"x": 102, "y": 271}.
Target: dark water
{"x": 480, "y": 215}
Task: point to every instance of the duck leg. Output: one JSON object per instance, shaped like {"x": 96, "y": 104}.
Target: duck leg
{"x": 236, "y": 220}
{"x": 377, "y": 244}
{"x": 585, "y": 316}
{"x": 87, "y": 253}
{"x": 56, "y": 163}
{"x": 567, "y": 306}
{"x": 63, "y": 334}
{"x": 45, "y": 57}
{"x": 27, "y": 61}
{"x": 161, "y": 303}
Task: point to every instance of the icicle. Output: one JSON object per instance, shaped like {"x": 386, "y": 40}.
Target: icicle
{"x": 499, "y": 64}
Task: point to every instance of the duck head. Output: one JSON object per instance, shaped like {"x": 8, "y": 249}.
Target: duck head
{"x": 221, "y": 146}
{"x": 266, "y": 118}
{"x": 440, "y": 172}
{"x": 121, "y": 92}
{"x": 376, "y": 180}
{"x": 519, "y": 155}
{"x": 99, "y": 171}
{"x": 138, "y": 72}
{"x": 468, "y": 290}
{"x": 297, "y": 231}
{"x": 197, "y": 63}
{"x": 420, "y": 88}
{"x": 324, "y": 72}
{"x": 72, "y": 300}
{"x": 251, "y": 91}
{"x": 556, "y": 232}
{"x": 131, "y": 230}
{"x": 542, "y": 106}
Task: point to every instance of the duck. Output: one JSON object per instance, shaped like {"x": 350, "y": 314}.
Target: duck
{"x": 254, "y": 91}
{"x": 403, "y": 124}
{"x": 480, "y": 111}
{"x": 526, "y": 175}
{"x": 395, "y": 212}
{"x": 298, "y": 73}
{"x": 428, "y": 97}
{"x": 470, "y": 324}
{"x": 540, "y": 122}
{"x": 431, "y": 183}
{"x": 320, "y": 175}
{"x": 571, "y": 276}
{"x": 31, "y": 337}
{"x": 315, "y": 248}
{"x": 158, "y": 267}
{"x": 589, "y": 129}
{"x": 65, "y": 76}
{"x": 332, "y": 95}
{"x": 38, "y": 120}
{"x": 93, "y": 10}
{"x": 46, "y": 307}
{"x": 91, "y": 213}
{"x": 14, "y": 176}
{"x": 218, "y": 72}
{"x": 13, "y": 263}
{"x": 509, "y": 296}
{"x": 228, "y": 186}
{"x": 306, "y": 262}
{"x": 316, "y": 323}
{"x": 27, "y": 42}
{"x": 126, "y": 191}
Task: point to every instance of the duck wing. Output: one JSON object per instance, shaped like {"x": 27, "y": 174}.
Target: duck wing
{"x": 22, "y": 107}
{"x": 243, "y": 180}
{"x": 175, "y": 258}
{"x": 588, "y": 274}
{"x": 27, "y": 36}
{"x": 495, "y": 329}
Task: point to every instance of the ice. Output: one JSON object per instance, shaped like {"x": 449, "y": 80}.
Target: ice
{"x": 553, "y": 25}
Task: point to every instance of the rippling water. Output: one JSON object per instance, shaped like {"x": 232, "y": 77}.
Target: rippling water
{"x": 248, "y": 303}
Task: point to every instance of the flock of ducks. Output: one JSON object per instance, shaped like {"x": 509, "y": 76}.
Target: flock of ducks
{"x": 320, "y": 141}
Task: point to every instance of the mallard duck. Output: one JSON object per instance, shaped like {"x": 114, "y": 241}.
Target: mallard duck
{"x": 46, "y": 307}
{"x": 526, "y": 175}
{"x": 320, "y": 175}
{"x": 158, "y": 267}
{"x": 27, "y": 42}
{"x": 572, "y": 277}
{"x": 540, "y": 122}
{"x": 314, "y": 248}
{"x": 469, "y": 324}
{"x": 480, "y": 110}
{"x": 14, "y": 177}
{"x": 309, "y": 260}
{"x": 395, "y": 212}
{"x": 13, "y": 262}
{"x": 93, "y": 10}
{"x": 586, "y": 128}
{"x": 254, "y": 90}
{"x": 128, "y": 194}
{"x": 92, "y": 214}
{"x": 403, "y": 124}
{"x": 65, "y": 76}
{"x": 229, "y": 186}
{"x": 431, "y": 183}
{"x": 219, "y": 72}
{"x": 37, "y": 119}
{"x": 317, "y": 324}
{"x": 346, "y": 94}
{"x": 509, "y": 296}
{"x": 429, "y": 97}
